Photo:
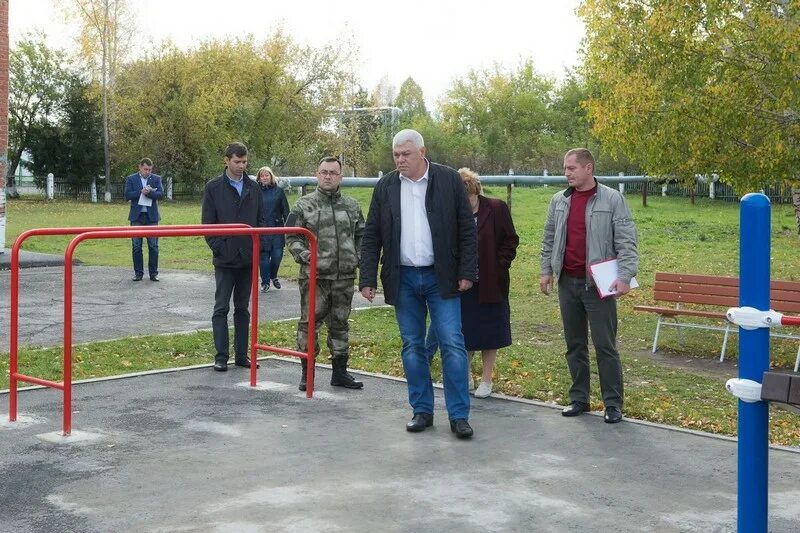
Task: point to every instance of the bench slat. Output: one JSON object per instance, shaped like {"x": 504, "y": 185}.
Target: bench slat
{"x": 671, "y": 311}
{"x": 724, "y": 281}
{"x": 693, "y": 288}
{"x": 724, "y": 301}
{"x": 785, "y": 307}
{"x": 792, "y": 286}
{"x": 696, "y": 278}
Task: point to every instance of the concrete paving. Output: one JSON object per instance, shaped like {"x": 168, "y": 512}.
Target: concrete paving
{"x": 108, "y": 305}
{"x": 197, "y": 450}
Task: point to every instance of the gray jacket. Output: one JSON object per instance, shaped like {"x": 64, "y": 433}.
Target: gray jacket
{"x": 610, "y": 233}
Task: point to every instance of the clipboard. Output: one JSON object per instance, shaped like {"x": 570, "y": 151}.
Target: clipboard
{"x": 604, "y": 273}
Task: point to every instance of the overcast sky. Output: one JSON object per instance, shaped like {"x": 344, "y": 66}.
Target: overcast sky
{"x": 433, "y": 41}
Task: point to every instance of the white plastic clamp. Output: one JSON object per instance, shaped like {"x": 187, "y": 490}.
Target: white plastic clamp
{"x": 751, "y": 318}
{"x": 746, "y": 390}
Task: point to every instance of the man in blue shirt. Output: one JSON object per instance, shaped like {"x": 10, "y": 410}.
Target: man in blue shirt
{"x": 144, "y": 189}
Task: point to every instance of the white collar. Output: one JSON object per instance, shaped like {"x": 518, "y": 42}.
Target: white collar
{"x": 424, "y": 176}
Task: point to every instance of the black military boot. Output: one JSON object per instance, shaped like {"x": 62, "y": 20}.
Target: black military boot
{"x": 303, "y": 365}
{"x": 340, "y": 376}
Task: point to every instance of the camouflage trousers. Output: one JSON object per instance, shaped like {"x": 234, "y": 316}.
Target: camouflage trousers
{"x": 334, "y": 299}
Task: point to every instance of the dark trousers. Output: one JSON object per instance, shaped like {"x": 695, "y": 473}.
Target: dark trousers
{"x": 270, "y": 262}
{"x": 236, "y": 282}
{"x": 583, "y": 309}
{"x": 152, "y": 249}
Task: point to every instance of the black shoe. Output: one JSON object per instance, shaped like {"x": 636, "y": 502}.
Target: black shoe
{"x": 304, "y": 377}
{"x": 137, "y": 277}
{"x": 613, "y": 415}
{"x": 154, "y": 278}
{"x": 265, "y": 287}
{"x": 575, "y": 408}
{"x": 461, "y": 428}
{"x": 221, "y": 365}
{"x": 419, "y": 422}
{"x": 341, "y": 377}
{"x": 276, "y": 283}
{"x": 245, "y": 362}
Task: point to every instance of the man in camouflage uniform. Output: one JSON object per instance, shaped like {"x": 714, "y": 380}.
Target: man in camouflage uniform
{"x": 338, "y": 223}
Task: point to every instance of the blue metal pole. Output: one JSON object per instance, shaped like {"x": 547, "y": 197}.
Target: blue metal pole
{"x": 754, "y": 253}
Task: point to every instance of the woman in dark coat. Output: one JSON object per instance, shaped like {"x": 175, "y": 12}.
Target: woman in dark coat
{"x": 276, "y": 209}
{"x": 485, "y": 312}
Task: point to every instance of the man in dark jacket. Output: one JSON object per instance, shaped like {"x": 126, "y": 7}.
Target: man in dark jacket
{"x": 230, "y": 198}
{"x": 420, "y": 227}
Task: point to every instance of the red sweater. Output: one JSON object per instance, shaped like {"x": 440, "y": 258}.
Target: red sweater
{"x": 575, "y": 252}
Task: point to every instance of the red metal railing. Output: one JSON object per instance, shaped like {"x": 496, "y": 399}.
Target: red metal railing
{"x": 790, "y": 320}
{"x": 126, "y": 232}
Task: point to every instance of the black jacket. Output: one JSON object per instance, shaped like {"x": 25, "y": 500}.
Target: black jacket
{"x": 223, "y": 205}
{"x": 452, "y": 232}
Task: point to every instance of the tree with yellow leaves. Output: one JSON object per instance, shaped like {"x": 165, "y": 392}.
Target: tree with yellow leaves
{"x": 698, "y": 87}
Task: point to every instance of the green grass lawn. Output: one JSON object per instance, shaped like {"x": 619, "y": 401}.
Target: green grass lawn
{"x": 674, "y": 236}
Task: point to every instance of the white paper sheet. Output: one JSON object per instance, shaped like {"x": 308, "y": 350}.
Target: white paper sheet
{"x": 145, "y": 200}
{"x": 604, "y": 274}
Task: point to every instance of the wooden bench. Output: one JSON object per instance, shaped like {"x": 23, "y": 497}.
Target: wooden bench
{"x": 714, "y": 291}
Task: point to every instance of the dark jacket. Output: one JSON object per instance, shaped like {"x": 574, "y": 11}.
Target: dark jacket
{"x": 497, "y": 247}
{"x": 452, "y": 232}
{"x": 276, "y": 209}
{"x": 223, "y": 205}
{"x": 133, "y": 189}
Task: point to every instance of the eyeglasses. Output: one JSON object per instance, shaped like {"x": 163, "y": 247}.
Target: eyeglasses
{"x": 331, "y": 173}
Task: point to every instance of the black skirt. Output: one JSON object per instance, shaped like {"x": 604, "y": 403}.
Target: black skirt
{"x": 485, "y": 326}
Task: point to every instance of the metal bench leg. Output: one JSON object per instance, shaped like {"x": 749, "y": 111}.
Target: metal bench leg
{"x": 655, "y": 339}
{"x": 724, "y": 342}
{"x": 680, "y": 333}
{"x": 797, "y": 359}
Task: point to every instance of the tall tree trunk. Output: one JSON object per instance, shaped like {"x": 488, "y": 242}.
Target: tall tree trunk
{"x": 106, "y": 140}
{"x": 11, "y": 182}
{"x": 796, "y": 204}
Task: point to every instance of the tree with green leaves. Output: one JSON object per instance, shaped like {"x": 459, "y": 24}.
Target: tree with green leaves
{"x": 71, "y": 147}
{"x": 698, "y": 87}
{"x": 505, "y": 116}
{"x": 182, "y": 107}
{"x": 411, "y": 100}
{"x": 106, "y": 27}
{"x": 37, "y": 79}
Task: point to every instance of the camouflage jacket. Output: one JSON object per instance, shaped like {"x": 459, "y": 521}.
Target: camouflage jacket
{"x": 338, "y": 223}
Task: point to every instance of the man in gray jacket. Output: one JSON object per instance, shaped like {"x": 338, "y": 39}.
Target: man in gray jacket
{"x": 588, "y": 223}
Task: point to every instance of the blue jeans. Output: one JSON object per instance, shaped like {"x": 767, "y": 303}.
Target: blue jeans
{"x": 417, "y": 296}
{"x": 152, "y": 249}
{"x": 269, "y": 262}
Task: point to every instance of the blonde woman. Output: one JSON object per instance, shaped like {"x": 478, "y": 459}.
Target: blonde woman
{"x": 485, "y": 312}
{"x": 276, "y": 209}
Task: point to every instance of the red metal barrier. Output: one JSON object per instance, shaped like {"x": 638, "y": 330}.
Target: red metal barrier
{"x": 13, "y": 369}
{"x": 126, "y": 232}
{"x": 790, "y": 320}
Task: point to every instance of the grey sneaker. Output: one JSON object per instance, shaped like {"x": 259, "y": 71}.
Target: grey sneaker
{"x": 484, "y": 390}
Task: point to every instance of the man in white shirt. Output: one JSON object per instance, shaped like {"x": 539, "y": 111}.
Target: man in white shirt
{"x": 420, "y": 227}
